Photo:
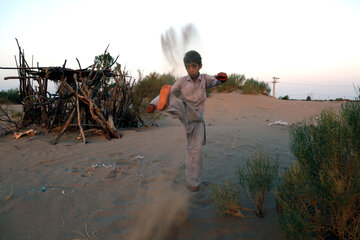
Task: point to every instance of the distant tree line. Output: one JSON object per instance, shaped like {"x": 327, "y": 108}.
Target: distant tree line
{"x": 10, "y": 96}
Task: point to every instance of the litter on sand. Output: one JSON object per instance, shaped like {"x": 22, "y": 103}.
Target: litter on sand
{"x": 281, "y": 123}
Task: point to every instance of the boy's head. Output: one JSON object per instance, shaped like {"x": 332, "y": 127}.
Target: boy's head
{"x": 192, "y": 62}
{"x": 192, "y": 57}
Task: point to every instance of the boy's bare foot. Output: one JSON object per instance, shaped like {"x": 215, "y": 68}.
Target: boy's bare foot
{"x": 164, "y": 97}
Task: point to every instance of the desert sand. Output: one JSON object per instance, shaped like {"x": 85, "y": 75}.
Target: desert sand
{"x": 134, "y": 187}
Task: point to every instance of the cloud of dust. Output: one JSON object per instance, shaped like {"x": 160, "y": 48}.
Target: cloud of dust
{"x": 165, "y": 211}
{"x": 175, "y": 45}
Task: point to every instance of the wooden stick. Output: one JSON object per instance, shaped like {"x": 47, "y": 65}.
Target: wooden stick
{"x": 78, "y": 63}
{"x": 64, "y": 64}
{"x": 84, "y": 124}
{"x": 78, "y": 109}
{"x": 58, "y": 105}
{"x": 46, "y": 82}
{"x": 70, "y": 119}
{"x": 17, "y": 67}
{"x": 96, "y": 115}
{"x": 16, "y": 77}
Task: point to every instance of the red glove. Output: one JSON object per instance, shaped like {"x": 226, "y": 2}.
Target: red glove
{"x": 221, "y": 76}
{"x": 151, "y": 108}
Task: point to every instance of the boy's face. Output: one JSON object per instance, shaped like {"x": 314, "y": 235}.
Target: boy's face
{"x": 193, "y": 70}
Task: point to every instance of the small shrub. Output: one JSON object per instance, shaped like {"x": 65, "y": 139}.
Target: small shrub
{"x": 253, "y": 86}
{"x": 286, "y": 97}
{"x": 350, "y": 112}
{"x": 258, "y": 177}
{"x": 308, "y": 98}
{"x": 227, "y": 199}
{"x": 234, "y": 82}
{"x": 319, "y": 197}
{"x": 10, "y": 120}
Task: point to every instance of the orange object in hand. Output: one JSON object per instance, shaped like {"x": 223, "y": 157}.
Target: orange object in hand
{"x": 151, "y": 108}
{"x": 221, "y": 76}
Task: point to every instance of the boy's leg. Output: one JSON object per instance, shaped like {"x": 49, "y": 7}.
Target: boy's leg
{"x": 182, "y": 111}
{"x": 193, "y": 154}
{"x": 195, "y": 132}
{"x": 178, "y": 109}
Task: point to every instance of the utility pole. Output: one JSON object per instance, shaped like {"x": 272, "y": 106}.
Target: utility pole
{"x": 274, "y": 81}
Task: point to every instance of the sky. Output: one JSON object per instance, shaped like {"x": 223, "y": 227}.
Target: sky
{"x": 312, "y": 46}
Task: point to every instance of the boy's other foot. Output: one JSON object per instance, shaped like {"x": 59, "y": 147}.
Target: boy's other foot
{"x": 164, "y": 97}
{"x": 193, "y": 188}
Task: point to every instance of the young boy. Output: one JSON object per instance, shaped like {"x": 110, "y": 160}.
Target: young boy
{"x": 189, "y": 109}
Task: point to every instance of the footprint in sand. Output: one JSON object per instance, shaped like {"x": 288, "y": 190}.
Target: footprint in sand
{"x": 153, "y": 179}
{"x": 168, "y": 171}
{"x": 124, "y": 200}
{"x": 114, "y": 173}
{"x": 158, "y": 161}
{"x": 117, "y": 154}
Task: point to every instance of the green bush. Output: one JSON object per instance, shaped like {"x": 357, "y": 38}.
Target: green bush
{"x": 286, "y": 97}
{"x": 319, "y": 197}
{"x": 350, "y": 112}
{"x": 252, "y": 86}
{"x": 308, "y": 98}
{"x": 234, "y": 82}
{"x": 258, "y": 177}
{"x": 10, "y": 96}
{"x": 227, "y": 199}
{"x": 149, "y": 87}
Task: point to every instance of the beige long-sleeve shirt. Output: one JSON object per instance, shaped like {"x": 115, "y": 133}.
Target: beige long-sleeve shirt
{"x": 193, "y": 93}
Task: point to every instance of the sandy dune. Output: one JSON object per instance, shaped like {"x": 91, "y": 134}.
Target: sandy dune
{"x": 134, "y": 187}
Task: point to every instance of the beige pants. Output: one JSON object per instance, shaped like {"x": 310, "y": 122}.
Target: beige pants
{"x": 194, "y": 125}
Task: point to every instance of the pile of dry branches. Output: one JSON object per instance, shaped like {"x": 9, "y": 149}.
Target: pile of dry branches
{"x": 96, "y": 97}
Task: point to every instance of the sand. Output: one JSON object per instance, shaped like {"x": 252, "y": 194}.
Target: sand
{"x": 134, "y": 187}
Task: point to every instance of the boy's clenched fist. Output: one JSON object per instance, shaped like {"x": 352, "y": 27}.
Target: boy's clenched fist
{"x": 151, "y": 108}
{"x": 221, "y": 76}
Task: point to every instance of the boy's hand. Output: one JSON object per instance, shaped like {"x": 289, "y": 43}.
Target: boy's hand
{"x": 151, "y": 108}
{"x": 221, "y": 76}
